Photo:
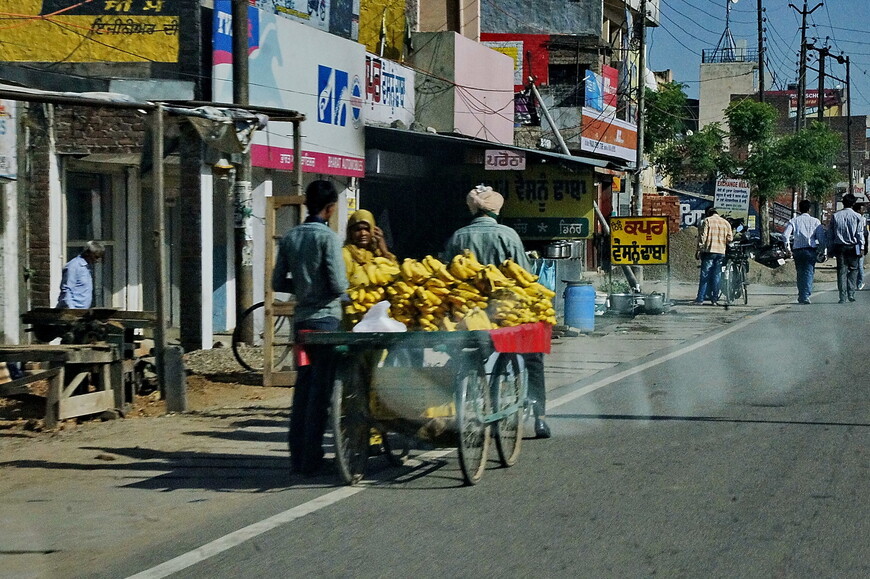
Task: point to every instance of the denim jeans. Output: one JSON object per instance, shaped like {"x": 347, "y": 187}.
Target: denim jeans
{"x": 311, "y": 397}
{"x": 847, "y": 271}
{"x": 805, "y": 265}
{"x": 711, "y": 273}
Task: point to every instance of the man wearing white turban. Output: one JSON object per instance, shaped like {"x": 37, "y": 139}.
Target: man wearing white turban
{"x": 493, "y": 243}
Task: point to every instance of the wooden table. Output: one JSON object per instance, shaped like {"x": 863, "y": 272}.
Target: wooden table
{"x": 68, "y": 367}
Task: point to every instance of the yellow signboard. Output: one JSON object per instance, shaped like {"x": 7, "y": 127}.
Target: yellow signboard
{"x": 95, "y": 31}
{"x": 638, "y": 240}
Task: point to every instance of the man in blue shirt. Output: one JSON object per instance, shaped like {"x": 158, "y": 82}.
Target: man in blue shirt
{"x": 809, "y": 237}
{"x": 77, "y": 282}
{"x": 846, "y": 241}
{"x": 310, "y": 254}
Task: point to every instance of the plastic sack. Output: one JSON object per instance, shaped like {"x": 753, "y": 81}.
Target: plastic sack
{"x": 547, "y": 274}
{"x": 378, "y": 319}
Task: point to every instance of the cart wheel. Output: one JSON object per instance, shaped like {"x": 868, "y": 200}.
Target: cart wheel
{"x": 397, "y": 448}
{"x": 507, "y": 391}
{"x": 472, "y": 405}
{"x": 350, "y": 420}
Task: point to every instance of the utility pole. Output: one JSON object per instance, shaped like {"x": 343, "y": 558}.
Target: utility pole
{"x": 820, "y": 103}
{"x": 243, "y": 235}
{"x": 800, "y": 120}
{"x": 760, "y": 53}
{"x": 637, "y": 200}
{"x": 849, "y": 122}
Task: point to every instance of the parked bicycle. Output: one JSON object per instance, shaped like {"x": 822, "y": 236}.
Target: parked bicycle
{"x": 251, "y": 355}
{"x": 735, "y": 269}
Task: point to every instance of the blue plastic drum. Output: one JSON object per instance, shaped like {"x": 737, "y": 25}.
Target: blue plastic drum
{"x": 580, "y": 305}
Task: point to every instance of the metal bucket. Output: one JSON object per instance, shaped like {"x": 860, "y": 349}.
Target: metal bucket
{"x": 654, "y": 303}
{"x": 623, "y": 303}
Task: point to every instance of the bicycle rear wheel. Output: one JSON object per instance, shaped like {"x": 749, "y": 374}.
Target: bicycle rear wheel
{"x": 251, "y": 356}
{"x": 351, "y": 426}
{"x": 507, "y": 391}
{"x": 472, "y": 405}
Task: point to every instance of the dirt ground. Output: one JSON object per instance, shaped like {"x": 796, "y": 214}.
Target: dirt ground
{"x": 214, "y": 380}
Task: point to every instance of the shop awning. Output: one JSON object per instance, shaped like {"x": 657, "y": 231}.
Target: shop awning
{"x": 417, "y": 142}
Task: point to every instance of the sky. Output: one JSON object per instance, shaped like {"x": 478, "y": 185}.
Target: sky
{"x": 689, "y": 26}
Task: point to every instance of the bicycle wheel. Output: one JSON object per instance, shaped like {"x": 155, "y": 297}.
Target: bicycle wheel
{"x": 251, "y": 355}
{"x": 507, "y": 391}
{"x": 743, "y": 283}
{"x": 350, "y": 420}
{"x": 472, "y": 405}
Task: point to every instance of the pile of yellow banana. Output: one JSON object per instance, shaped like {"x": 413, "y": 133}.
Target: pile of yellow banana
{"x": 462, "y": 295}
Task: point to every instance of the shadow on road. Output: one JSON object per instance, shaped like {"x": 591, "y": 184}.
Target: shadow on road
{"x": 654, "y": 418}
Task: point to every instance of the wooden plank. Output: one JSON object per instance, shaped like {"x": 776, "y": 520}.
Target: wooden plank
{"x": 74, "y": 383}
{"x": 19, "y": 386}
{"x": 86, "y": 404}
{"x": 53, "y": 398}
{"x": 32, "y": 353}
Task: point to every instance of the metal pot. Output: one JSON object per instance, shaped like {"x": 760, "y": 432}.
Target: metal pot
{"x": 623, "y": 303}
{"x": 654, "y": 303}
{"x": 558, "y": 250}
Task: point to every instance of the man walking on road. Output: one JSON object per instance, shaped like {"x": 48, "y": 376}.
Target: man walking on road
{"x": 846, "y": 242}
{"x": 715, "y": 235}
{"x": 809, "y": 237}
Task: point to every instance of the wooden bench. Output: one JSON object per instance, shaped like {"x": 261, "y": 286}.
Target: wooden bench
{"x": 69, "y": 366}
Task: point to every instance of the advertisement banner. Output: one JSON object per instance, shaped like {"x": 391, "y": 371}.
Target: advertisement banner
{"x": 603, "y": 133}
{"x": 638, "y": 240}
{"x": 326, "y": 86}
{"x": 8, "y": 141}
{"x": 389, "y": 92}
{"x": 732, "y": 198}
{"x": 594, "y": 89}
{"x": 610, "y": 78}
{"x": 106, "y": 31}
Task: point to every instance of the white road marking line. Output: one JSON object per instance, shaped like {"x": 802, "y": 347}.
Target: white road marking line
{"x": 238, "y": 537}
{"x": 571, "y": 396}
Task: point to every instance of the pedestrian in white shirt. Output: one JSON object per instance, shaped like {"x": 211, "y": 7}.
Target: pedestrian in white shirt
{"x": 809, "y": 236}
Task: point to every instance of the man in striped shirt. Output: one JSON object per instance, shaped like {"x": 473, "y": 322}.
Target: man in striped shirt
{"x": 715, "y": 235}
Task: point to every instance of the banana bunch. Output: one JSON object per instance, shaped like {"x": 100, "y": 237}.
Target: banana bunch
{"x": 514, "y": 271}
{"x": 462, "y": 295}
{"x": 368, "y": 285}
{"x": 464, "y": 266}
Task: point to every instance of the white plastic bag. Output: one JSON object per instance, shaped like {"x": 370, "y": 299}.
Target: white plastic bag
{"x": 378, "y": 319}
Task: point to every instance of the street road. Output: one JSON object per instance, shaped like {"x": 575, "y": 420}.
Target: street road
{"x": 740, "y": 456}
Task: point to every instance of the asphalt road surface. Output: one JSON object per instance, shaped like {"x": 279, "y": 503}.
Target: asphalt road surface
{"x": 743, "y": 455}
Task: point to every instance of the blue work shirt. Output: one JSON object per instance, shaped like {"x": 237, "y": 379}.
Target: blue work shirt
{"x": 807, "y": 230}
{"x": 847, "y": 228}
{"x": 311, "y": 254}
{"x": 489, "y": 241}
{"x": 76, "y": 285}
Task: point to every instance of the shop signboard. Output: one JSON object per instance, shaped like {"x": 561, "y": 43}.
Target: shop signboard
{"x": 543, "y": 203}
{"x": 389, "y": 92}
{"x": 638, "y": 240}
{"x": 731, "y": 198}
{"x": 504, "y": 160}
{"x": 8, "y": 141}
{"x": 530, "y": 52}
{"x": 107, "y": 31}
{"x": 296, "y": 67}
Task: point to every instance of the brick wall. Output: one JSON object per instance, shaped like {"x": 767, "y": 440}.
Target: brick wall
{"x": 667, "y": 205}
{"x": 77, "y": 131}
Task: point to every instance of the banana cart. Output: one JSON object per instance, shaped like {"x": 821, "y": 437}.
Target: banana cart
{"x": 383, "y": 387}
